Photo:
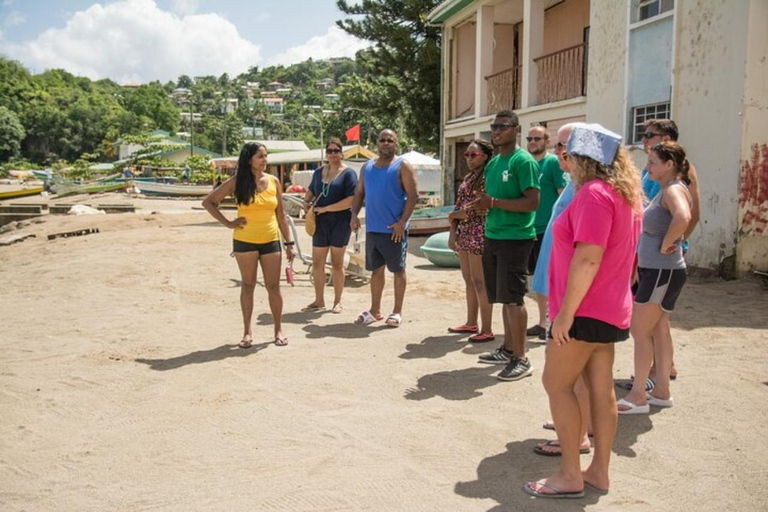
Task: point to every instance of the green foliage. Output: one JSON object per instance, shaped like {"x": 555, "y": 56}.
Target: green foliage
{"x": 11, "y": 134}
{"x": 406, "y": 48}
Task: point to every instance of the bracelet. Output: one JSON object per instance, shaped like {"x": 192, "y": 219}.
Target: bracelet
{"x": 493, "y": 202}
{"x": 288, "y": 244}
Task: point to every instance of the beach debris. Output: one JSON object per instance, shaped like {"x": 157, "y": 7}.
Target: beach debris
{"x": 15, "y": 238}
{"x": 81, "y": 209}
{"x": 79, "y": 232}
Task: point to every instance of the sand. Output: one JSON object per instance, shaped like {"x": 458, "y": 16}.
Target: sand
{"x": 121, "y": 389}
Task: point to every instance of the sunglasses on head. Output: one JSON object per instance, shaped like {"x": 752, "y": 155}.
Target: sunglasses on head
{"x": 473, "y": 154}
{"x": 332, "y": 151}
{"x": 502, "y": 126}
{"x": 534, "y": 139}
{"x": 649, "y": 135}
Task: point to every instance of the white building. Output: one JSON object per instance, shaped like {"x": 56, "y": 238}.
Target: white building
{"x": 703, "y": 63}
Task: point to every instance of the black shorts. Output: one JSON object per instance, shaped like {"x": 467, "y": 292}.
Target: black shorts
{"x": 266, "y": 248}
{"x": 332, "y": 230}
{"x": 660, "y": 286}
{"x": 534, "y": 254}
{"x": 380, "y": 249}
{"x": 591, "y": 330}
{"x": 505, "y": 267}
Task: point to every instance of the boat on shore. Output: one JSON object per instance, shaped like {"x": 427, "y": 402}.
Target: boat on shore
{"x": 14, "y": 194}
{"x": 69, "y": 189}
{"x": 428, "y": 221}
{"x": 168, "y": 190}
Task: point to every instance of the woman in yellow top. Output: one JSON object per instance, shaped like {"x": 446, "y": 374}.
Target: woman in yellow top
{"x": 260, "y": 220}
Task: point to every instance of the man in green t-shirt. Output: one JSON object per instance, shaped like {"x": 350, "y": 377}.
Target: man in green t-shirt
{"x": 553, "y": 181}
{"x": 511, "y": 198}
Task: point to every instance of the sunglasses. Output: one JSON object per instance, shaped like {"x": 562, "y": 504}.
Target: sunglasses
{"x": 560, "y": 146}
{"x": 502, "y": 126}
{"x": 534, "y": 139}
{"x": 332, "y": 151}
{"x": 649, "y": 135}
{"x": 473, "y": 154}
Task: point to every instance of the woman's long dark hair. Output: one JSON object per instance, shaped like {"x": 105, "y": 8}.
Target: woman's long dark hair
{"x": 245, "y": 184}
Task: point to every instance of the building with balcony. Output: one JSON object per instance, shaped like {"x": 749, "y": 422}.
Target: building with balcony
{"x": 619, "y": 62}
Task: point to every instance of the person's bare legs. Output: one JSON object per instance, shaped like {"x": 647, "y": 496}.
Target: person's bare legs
{"x": 663, "y": 329}
{"x": 644, "y": 320}
{"x": 663, "y": 352}
{"x": 516, "y": 318}
{"x": 478, "y": 283}
{"x": 469, "y": 288}
{"x": 270, "y": 269}
{"x": 248, "y": 263}
{"x": 400, "y": 284}
{"x": 541, "y": 300}
{"x": 377, "y": 288}
{"x": 599, "y": 380}
{"x": 337, "y": 271}
{"x": 563, "y": 366}
{"x": 319, "y": 256}
{"x": 582, "y": 395}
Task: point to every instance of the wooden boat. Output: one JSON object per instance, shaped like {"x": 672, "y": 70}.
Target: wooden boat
{"x": 165, "y": 189}
{"x": 13, "y": 194}
{"x": 428, "y": 221}
{"x": 68, "y": 189}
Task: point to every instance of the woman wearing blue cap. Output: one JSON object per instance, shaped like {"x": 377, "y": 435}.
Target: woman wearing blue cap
{"x": 590, "y": 302}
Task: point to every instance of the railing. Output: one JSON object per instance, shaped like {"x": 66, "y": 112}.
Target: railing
{"x": 562, "y": 74}
{"x": 504, "y": 90}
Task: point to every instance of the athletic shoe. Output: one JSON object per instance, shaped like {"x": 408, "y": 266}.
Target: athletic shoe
{"x": 537, "y": 331}
{"x": 516, "y": 370}
{"x": 500, "y": 356}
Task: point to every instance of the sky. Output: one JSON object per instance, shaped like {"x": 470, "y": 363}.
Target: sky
{"x": 137, "y": 41}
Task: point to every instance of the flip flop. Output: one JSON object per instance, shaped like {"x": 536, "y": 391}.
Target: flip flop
{"x": 366, "y": 318}
{"x": 596, "y": 489}
{"x": 557, "y": 494}
{"x": 658, "y": 402}
{"x": 394, "y": 320}
{"x": 463, "y": 329}
{"x": 549, "y": 425}
{"x": 541, "y": 451}
{"x": 313, "y": 307}
{"x": 281, "y": 342}
{"x": 245, "y": 343}
{"x": 632, "y": 408}
{"x": 336, "y": 308}
{"x": 482, "y": 337}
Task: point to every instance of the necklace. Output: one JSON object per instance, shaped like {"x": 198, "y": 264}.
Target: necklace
{"x": 326, "y": 187}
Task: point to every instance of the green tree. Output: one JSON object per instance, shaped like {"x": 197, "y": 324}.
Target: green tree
{"x": 184, "y": 81}
{"x": 11, "y": 134}
{"x": 405, "y": 47}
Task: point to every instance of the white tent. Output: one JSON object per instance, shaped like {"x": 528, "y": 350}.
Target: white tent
{"x": 429, "y": 173}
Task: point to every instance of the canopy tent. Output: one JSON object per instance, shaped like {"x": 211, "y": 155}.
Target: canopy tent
{"x": 429, "y": 174}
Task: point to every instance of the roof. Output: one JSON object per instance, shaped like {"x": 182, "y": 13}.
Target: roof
{"x": 298, "y": 157}
{"x": 282, "y": 145}
{"x": 445, "y": 10}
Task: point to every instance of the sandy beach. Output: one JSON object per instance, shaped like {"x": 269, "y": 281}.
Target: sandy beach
{"x": 121, "y": 388}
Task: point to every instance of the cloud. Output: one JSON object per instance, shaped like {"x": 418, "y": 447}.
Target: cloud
{"x": 14, "y": 19}
{"x": 334, "y": 43}
{"x": 186, "y": 6}
{"x": 135, "y": 41}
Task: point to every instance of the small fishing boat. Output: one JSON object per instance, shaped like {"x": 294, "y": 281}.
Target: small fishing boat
{"x": 14, "y": 194}
{"x": 93, "y": 187}
{"x": 169, "y": 190}
{"x": 428, "y": 221}
{"x": 438, "y": 253}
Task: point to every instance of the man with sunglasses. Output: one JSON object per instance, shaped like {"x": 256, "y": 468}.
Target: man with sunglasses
{"x": 387, "y": 186}
{"x": 511, "y": 198}
{"x": 552, "y": 181}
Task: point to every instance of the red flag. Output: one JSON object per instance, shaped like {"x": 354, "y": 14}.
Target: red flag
{"x": 353, "y": 133}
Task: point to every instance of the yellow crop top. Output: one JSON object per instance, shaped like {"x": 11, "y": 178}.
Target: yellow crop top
{"x": 261, "y": 217}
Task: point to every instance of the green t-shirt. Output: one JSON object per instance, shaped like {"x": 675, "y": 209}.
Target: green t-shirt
{"x": 551, "y": 178}
{"x": 506, "y": 177}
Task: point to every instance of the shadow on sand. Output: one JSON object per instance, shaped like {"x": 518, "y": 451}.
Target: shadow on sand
{"x": 202, "y": 356}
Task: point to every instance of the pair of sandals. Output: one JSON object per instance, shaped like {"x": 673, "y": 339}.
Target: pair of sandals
{"x": 279, "y": 341}
{"x": 367, "y": 318}
{"x": 477, "y": 337}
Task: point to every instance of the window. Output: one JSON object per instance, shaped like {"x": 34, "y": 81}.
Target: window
{"x": 641, "y": 114}
{"x": 649, "y": 8}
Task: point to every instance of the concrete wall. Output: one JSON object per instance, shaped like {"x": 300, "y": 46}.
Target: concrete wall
{"x": 564, "y": 25}
{"x": 707, "y": 103}
{"x": 752, "y": 250}
{"x": 606, "y": 84}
